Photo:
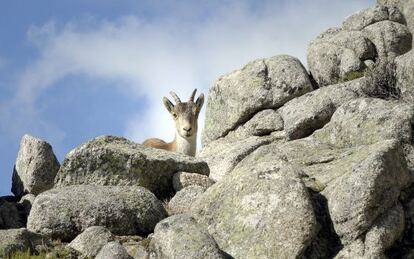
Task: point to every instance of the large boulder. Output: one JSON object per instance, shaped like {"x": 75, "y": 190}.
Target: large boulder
{"x": 391, "y": 39}
{"x": 404, "y": 70}
{"x": 260, "y": 85}
{"x": 90, "y": 241}
{"x": 366, "y": 190}
{"x": 36, "y": 167}
{"x": 261, "y": 209}
{"x": 180, "y": 236}
{"x": 65, "y": 212}
{"x": 111, "y": 160}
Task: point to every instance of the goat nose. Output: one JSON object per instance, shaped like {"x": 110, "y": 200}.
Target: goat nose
{"x": 187, "y": 128}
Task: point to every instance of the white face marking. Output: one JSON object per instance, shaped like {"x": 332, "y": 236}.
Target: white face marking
{"x": 185, "y": 115}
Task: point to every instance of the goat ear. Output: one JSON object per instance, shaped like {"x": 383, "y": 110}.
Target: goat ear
{"x": 200, "y": 102}
{"x": 168, "y": 104}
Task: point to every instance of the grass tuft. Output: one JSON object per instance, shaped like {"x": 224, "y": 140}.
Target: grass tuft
{"x": 352, "y": 76}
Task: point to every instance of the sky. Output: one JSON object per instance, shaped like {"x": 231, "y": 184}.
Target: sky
{"x": 72, "y": 70}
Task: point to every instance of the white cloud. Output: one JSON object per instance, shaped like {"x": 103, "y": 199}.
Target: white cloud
{"x": 147, "y": 59}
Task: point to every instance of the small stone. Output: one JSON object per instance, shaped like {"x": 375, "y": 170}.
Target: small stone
{"x": 184, "y": 179}
{"x": 113, "y": 250}
{"x": 90, "y": 241}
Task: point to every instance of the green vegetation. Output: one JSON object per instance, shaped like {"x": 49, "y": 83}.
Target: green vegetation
{"x": 352, "y": 76}
{"x": 26, "y": 255}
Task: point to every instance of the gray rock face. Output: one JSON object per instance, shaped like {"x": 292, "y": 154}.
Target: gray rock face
{"x": 262, "y": 123}
{"x": 113, "y": 250}
{"x": 184, "y": 179}
{"x": 36, "y": 167}
{"x": 366, "y": 121}
{"x": 224, "y": 154}
{"x": 137, "y": 249}
{"x": 260, "y": 85}
{"x": 183, "y": 200}
{"x": 13, "y": 240}
{"x": 335, "y": 46}
{"x": 359, "y": 183}
{"x": 405, "y": 6}
{"x": 364, "y": 18}
{"x": 90, "y": 241}
{"x": 110, "y": 160}
{"x": 180, "y": 236}
{"x": 379, "y": 177}
{"x": 367, "y": 39}
{"x": 309, "y": 112}
{"x": 385, "y": 231}
{"x": 67, "y": 211}
{"x": 260, "y": 210}
{"x": 405, "y": 75}
{"x": 391, "y": 39}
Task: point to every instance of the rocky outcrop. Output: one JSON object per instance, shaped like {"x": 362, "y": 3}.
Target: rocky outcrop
{"x": 180, "y": 236}
{"x": 364, "y": 18}
{"x": 351, "y": 150}
{"x": 294, "y": 165}
{"x": 36, "y": 167}
{"x": 338, "y": 46}
{"x": 261, "y": 84}
{"x": 366, "y": 39}
{"x": 405, "y": 6}
{"x": 117, "y": 161}
{"x": 65, "y": 212}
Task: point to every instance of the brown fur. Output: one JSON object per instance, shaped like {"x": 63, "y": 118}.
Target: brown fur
{"x": 185, "y": 115}
{"x": 160, "y": 144}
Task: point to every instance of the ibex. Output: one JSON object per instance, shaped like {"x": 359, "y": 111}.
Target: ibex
{"x": 185, "y": 116}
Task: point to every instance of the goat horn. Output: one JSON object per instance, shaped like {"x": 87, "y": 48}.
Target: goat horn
{"x": 176, "y": 98}
{"x": 193, "y": 95}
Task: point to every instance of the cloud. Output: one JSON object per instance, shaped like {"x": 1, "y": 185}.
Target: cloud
{"x": 148, "y": 57}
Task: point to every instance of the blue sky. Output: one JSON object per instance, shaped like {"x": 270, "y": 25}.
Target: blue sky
{"x": 73, "y": 70}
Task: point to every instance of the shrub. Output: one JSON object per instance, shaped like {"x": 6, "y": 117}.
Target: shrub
{"x": 383, "y": 81}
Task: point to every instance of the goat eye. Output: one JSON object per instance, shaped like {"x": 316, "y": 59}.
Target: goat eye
{"x": 174, "y": 115}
